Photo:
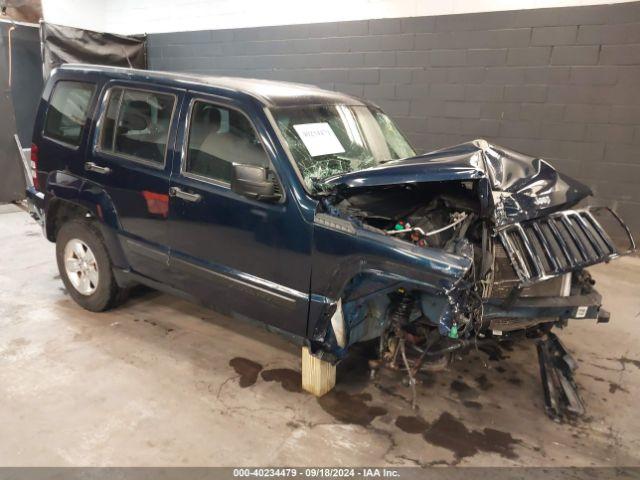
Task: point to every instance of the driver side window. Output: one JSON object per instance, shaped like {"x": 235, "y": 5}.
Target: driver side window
{"x": 218, "y": 137}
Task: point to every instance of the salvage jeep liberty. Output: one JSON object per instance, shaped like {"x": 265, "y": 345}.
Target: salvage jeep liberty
{"x": 308, "y": 210}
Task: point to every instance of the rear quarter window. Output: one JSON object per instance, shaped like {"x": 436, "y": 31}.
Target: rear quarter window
{"x": 68, "y": 111}
{"x": 136, "y": 124}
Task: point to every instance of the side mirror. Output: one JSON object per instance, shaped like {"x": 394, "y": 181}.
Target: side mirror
{"x": 253, "y": 181}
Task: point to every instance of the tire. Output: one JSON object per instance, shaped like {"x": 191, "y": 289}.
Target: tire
{"x": 85, "y": 266}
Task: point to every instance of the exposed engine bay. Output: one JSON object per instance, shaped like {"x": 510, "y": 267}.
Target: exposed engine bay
{"x": 526, "y": 271}
{"x": 444, "y": 216}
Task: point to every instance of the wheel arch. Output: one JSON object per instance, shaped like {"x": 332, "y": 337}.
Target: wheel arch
{"x": 69, "y": 196}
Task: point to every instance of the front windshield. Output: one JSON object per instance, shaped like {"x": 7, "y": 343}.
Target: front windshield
{"x": 327, "y": 140}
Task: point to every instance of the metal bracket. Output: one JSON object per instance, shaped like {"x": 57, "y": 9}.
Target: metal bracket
{"x": 556, "y": 372}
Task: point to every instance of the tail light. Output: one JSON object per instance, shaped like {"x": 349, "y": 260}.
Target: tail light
{"x": 34, "y": 165}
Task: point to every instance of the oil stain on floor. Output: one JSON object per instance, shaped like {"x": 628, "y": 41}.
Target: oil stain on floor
{"x": 483, "y": 382}
{"x": 624, "y": 361}
{"x": 450, "y": 433}
{"x": 463, "y": 391}
{"x": 412, "y": 424}
{"x": 247, "y": 369}
{"x": 291, "y": 380}
{"x": 354, "y": 408}
{"x": 350, "y": 408}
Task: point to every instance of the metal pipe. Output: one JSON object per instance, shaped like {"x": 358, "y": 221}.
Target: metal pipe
{"x": 10, "y": 48}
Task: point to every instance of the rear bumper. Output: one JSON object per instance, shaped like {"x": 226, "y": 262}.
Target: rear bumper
{"x": 580, "y": 307}
{"x": 35, "y": 201}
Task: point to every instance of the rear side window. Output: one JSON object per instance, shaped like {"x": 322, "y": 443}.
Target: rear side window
{"x": 136, "y": 124}
{"x": 219, "y": 137}
{"x": 68, "y": 110}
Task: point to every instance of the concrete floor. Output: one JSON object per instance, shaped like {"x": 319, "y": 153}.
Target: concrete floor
{"x": 156, "y": 382}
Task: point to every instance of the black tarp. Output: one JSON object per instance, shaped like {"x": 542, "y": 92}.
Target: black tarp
{"x": 18, "y": 102}
{"x": 74, "y": 45}
{"x": 27, "y": 81}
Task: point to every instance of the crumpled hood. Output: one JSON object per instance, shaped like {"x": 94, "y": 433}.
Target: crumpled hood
{"x": 522, "y": 186}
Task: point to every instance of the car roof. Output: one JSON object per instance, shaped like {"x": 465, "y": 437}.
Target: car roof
{"x": 270, "y": 93}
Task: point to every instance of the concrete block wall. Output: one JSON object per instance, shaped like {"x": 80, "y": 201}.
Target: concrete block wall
{"x": 559, "y": 83}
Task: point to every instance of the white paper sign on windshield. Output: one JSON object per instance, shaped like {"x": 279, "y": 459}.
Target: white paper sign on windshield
{"x": 319, "y": 138}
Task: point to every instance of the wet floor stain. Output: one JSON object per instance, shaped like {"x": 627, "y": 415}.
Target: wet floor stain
{"x": 483, "y": 382}
{"x": 392, "y": 391}
{"x": 602, "y": 367}
{"x": 614, "y": 387}
{"x": 450, "y": 433}
{"x": 354, "y": 370}
{"x": 247, "y": 369}
{"x": 493, "y": 351}
{"x": 463, "y": 391}
{"x": 506, "y": 345}
{"x": 412, "y": 424}
{"x": 350, "y": 408}
{"x": 515, "y": 381}
{"x": 427, "y": 379}
{"x": 290, "y": 380}
{"x": 167, "y": 330}
{"x": 624, "y": 361}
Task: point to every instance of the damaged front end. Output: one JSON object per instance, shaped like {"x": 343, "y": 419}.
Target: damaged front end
{"x": 455, "y": 248}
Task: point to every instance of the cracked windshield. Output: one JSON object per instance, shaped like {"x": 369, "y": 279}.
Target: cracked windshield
{"x": 327, "y": 140}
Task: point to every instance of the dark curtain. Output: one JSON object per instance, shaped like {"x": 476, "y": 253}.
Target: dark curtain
{"x": 75, "y": 45}
{"x": 18, "y": 102}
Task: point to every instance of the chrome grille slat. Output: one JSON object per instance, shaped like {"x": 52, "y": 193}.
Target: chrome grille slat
{"x": 589, "y": 243}
{"x": 572, "y": 234}
{"x": 557, "y": 250}
{"x": 568, "y": 255}
{"x": 598, "y": 243}
{"x": 554, "y": 245}
{"x": 531, "y": 254}
{"x": 601, "y": 232}
{"x": 555, "y": 266}
{"x": 520, "y": 265}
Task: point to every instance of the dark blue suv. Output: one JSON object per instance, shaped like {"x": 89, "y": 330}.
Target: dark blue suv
{"x": 308, "y": 210}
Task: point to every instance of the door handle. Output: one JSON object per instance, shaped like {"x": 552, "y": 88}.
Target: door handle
{"x": 189, "y": 197}
{"x": 92, "y": 167}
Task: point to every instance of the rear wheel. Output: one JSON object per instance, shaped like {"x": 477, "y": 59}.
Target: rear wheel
{"x": 85, "y": 266}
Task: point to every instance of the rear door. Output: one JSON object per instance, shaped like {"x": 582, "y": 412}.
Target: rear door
{"x": 131, "y": 158}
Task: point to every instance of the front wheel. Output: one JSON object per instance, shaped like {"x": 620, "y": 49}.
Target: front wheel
{"x": 85, "y": 266}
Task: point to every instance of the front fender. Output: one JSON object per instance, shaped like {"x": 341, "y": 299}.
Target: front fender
{"x": 343, "y": 251}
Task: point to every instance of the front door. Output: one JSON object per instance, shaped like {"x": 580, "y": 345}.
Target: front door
{"x": 131, "y": 160}
{"x": 241, "y": 256}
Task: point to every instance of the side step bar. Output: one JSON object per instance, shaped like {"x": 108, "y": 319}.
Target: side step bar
{"x": 556, "y": 372}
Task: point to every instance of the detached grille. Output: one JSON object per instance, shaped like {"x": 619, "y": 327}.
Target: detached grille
{"x": 550, "y": 246}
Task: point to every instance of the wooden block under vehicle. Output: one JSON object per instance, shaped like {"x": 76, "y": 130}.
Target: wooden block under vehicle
{"x": 318, "y": 376}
